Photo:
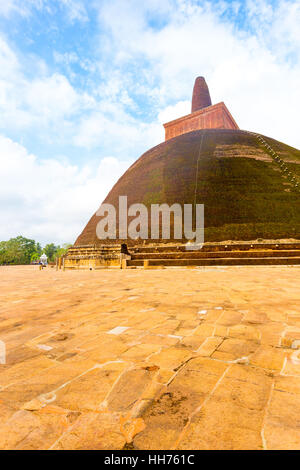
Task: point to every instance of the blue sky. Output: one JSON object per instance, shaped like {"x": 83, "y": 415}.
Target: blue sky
{"x": 86, "y": 85}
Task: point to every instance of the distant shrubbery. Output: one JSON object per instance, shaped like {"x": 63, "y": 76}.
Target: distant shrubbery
{"x": 21, "y": 250}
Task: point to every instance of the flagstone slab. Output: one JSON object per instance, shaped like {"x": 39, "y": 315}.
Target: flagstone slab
{"x": 165, "y": 419}
{"x": 225, "y": 422}
{"x": 128, "y": 389}
{"x": 229, "y": 318}
{"x": 141, "y": 351}
{"x": 24, "y": 370}
{"x": 284, "y": 409}
{"x": 166, "y": 328}
{"x": 288, "y": 384}
{"x": 28, "y": 431}
{"x": 238, "y": 347}
{"x": 171, "y": 358}
{"x": 167, "y": 416}
{"x": 210, "y": 345}
{"x": 5, "y": 412}
{"x": 162, "y": 340}
{"x": 207, "y": 365}
{"x": 251, "y": 374}
{"x": 21, "y": 353}
{"x": 192, "y": 342}
{"x": 244, "y": 332}
{"x": 268, "y": 357}
{"x": 43, "y": 383}
{"x": 104, "y": 348}
{"x": 282, "y": 426}
{"x": 205, "y": 329}
{"x": 281, "y": 437}
{"x": 87, "y": 392}
{"x": 92, "y": 431}
{"x": 291, "y": 368}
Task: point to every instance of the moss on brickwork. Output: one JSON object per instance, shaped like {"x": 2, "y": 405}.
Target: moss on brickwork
{"x": 245, "y": 194}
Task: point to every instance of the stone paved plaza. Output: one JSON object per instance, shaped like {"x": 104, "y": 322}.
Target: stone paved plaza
{"x": 204, "y": 358}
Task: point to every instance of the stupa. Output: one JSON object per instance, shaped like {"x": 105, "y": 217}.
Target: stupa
{"x": 248, "y": 183}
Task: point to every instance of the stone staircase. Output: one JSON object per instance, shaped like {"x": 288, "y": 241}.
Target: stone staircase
{"x": 282, "y": 165}
{"x": 216, "y": 255}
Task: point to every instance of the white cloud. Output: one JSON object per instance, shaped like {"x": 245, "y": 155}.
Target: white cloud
{"x": 244, "y": 69}
{"x": 9, "y": 6}
{"x": 117, "y": 131}
{"x": 46, "y": 104}
{"x": 170, "y": 113}
{"x": 47, "y": 200}
{"x": 74, "y": 9}
{"x": 8, "y": 60}
{"x": 54, "y": 97}
{"x": 255, "y": 71}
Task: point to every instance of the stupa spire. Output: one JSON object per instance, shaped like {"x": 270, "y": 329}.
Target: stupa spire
{"x": 201, "y": 97}
{"x": 204, "y": 114}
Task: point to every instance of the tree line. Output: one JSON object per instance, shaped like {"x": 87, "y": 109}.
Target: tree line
{"x": 21, "y": 250}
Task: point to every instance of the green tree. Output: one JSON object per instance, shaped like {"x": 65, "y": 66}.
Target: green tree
{"x": 61, "y": 251}
{"x": 35, "y": 256}
{"x": 17, "y": 250}
{"x": 27, "y": 247}
{"x": 39, "y": 249}
{"x": 21, "y": 250}
{"x": 50, "y": 249}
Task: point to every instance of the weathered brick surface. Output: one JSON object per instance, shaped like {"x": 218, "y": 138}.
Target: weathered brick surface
{"x": 201, "y": 97}
{"x": 203, "y": 115}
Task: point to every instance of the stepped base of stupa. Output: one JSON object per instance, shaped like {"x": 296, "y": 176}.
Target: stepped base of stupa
{"x": 163, "y": 256}
{"x": 94, "y": 257}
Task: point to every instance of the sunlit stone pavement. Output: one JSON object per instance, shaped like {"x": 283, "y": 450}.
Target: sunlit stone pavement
{"x": 203, "y": 358}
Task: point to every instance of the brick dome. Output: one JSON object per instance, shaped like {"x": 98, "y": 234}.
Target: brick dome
{"x": 246, "y": 192}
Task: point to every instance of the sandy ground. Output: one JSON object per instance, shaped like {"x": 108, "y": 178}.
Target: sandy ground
{"x": 202, "y": 358}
